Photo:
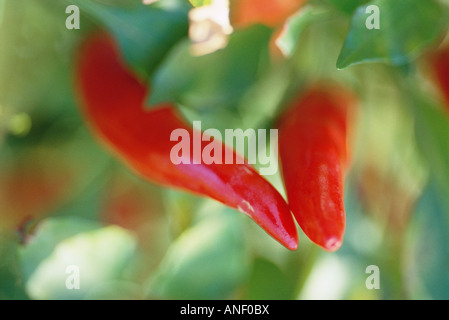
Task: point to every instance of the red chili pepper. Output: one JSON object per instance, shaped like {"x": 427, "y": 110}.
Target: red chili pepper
{"x": 440, "y": 65}
{"x": 313, "y": 155}
{"x": 113, "y": 102}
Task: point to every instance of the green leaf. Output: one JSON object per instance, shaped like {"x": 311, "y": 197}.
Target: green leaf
{"x": 100, "y": 254}
{"x": 263, "y": 100}
{"x": 268, "y": 282}
{"x": 214, "y": 81}
{"x": 407, "y": 27}
{"x": 11, "y": 284}
{"x": 208, "y": 261}
{"x": 145, "y": 33}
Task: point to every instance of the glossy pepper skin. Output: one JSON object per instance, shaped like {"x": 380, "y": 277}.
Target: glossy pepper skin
{"x": 313, "y": 156}
{"x": 113, "y": 103}
{"x": 440, "y": 66}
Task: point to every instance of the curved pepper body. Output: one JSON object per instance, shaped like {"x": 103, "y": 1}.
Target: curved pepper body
{"x": 113, "y": 103}
{"x": 313, "y": 155}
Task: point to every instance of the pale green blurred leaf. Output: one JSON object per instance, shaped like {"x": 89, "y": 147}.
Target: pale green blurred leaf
{"x": 50, "y": 233}
{"x": 100, "y": 254}
{"x": 11, "y": 282}
{"x": 208, "y": 261}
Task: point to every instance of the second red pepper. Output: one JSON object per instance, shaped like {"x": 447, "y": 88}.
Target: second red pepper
{"x": 313, "y": 155}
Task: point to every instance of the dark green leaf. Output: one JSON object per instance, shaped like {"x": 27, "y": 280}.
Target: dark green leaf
{"x": 407, "y": 27}
{"x": 145, "y": 33}
{"x": 11, "y": 284}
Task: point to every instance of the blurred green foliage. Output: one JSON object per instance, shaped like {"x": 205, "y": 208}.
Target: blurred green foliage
{"x": 397, "y": 41}
{"x": 65, "y": 201}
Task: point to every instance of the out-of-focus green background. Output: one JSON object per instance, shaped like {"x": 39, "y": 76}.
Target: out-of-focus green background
{"x": 64, "y": 201}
